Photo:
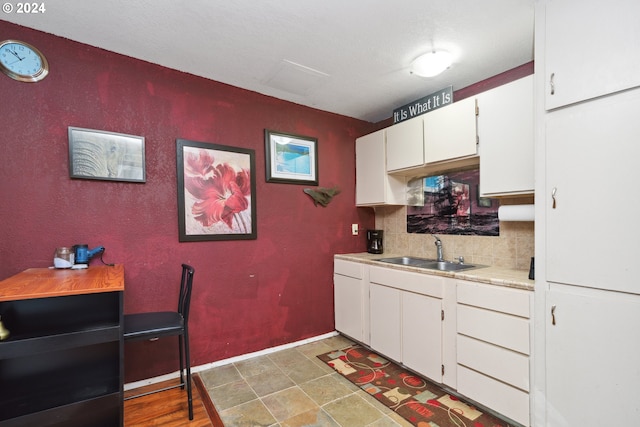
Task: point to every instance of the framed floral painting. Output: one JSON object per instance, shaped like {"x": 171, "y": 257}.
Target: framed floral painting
{"x": 216, "y": 192}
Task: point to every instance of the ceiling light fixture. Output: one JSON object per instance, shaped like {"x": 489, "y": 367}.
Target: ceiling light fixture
{"x": 431, "y": 63}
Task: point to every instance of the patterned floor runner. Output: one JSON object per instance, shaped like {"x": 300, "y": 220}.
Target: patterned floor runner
{"x": 420, "y": 402}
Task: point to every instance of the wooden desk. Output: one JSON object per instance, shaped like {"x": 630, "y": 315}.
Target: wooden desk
{"x": 62, "y": 363}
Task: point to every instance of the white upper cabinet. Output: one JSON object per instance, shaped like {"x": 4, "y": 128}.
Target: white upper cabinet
{"x": 405, "y": 145}
{"x": 443, "y": 135}
{"x": 590, "y": 203}
{"x": 450, "y": 132}
{"x": 499, "y": 137}
{"x": 505, "y": 132}
{"x": 373, "y": 185}
{"x": 591, "y": 49}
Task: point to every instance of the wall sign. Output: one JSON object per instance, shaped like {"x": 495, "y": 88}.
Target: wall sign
{"x": 424, "y": 105}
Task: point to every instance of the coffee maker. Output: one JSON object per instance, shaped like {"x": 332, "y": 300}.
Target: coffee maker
{"x": 374, "y": 241}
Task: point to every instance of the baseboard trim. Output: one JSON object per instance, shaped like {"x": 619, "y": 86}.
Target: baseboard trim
{"x": 223, "y": 362}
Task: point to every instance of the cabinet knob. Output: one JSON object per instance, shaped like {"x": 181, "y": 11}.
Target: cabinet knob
{"x": 553, "y": 86}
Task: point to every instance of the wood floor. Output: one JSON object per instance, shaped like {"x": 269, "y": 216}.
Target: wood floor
{"x": 169, "y": 408}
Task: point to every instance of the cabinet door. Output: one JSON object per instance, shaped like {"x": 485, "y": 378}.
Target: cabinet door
{"x": 450, "y": 132}
{"x": 422, "y": 334}
{"x": 592, "y": 172}
{"x": 405, "y": 148}
{"x": 373, "y": 185}
{"x": 591, "y": 49}
{"x": 347, "y": 293}
{"x": 385, "y": 319}
{"x": 370, "y": 168}
{"x": 591, "y": 357}
{"x": 505, "y": 132}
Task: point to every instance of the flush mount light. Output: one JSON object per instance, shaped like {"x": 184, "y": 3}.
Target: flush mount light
{"x": 431, "y": 63}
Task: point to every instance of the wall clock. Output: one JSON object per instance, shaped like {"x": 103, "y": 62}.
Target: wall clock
{"x": 22, "y": 62}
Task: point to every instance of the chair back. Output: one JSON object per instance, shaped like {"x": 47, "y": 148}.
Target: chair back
{"x": 186, "y": 283}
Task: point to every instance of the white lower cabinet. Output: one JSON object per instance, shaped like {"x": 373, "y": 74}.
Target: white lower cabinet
{"x": 493, "y": 347}
{"x": 406, "y": 319}
{"x": 592, "y": 351}
{"x": 351, "y": 299}
{"x": 475, "y": 338}
{"x": 384, "y": 309}
{"x": 422, "y": 334}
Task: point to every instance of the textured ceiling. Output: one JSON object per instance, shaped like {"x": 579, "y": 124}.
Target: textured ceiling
{"x": 349, "y": 57}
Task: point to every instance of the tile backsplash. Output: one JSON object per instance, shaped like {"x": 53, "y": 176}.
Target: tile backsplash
{"x": 513, "y": 248}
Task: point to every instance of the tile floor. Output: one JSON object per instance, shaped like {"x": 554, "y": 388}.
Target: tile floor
{"x": 292, "y": 388}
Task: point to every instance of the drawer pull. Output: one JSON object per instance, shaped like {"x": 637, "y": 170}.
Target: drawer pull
{"x": 553, "y": 314}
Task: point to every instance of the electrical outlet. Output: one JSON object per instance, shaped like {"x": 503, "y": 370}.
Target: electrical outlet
{"x": 354, "y": 229}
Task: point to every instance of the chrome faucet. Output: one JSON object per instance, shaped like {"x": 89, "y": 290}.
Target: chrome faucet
{"x": 438, "y": 244}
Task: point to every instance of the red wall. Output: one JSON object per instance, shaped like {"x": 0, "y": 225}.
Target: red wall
{"x": 248, "y": 295}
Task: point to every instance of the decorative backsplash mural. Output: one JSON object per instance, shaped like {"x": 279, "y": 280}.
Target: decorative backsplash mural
{"x": 452, "y": 206}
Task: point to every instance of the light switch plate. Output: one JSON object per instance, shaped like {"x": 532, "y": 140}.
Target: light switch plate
{"x": 354, "y": 229}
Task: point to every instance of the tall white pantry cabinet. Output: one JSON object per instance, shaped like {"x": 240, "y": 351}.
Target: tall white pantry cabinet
{"x": 587, "y": 367}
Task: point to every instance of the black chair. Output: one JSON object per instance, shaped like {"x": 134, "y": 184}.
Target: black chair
{"x": 151, "y": 326}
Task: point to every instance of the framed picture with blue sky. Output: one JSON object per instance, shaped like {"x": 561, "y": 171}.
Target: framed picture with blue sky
{"x": 291, "y": 159}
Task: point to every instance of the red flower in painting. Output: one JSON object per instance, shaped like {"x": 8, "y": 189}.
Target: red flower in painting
{"x": 220, "y": 190}
{"x": 200, "y": 165}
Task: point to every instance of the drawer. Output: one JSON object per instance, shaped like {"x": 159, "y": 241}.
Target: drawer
{"x": 500, "y": 397}
{"x": 348, "y": 268}
{"x": 500, "y": 329}
{"x": 497, "y": 298}
{"x": 496, "y": 362}
{"x": 423, "y": 284}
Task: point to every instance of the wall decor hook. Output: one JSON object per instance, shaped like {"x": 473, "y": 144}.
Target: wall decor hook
{"x": 322, "y": 195}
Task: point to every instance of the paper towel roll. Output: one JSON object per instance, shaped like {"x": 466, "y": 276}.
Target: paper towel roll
{"x": 516, "y": 213}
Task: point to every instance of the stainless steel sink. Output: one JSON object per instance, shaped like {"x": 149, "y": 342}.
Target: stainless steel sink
{"x": 448, "y": 266}
{"x": 407, "y": 260}
{"x": 430, "y": 264}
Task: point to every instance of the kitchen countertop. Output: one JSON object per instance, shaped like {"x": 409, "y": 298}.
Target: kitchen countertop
{"x": 493, "y": 275}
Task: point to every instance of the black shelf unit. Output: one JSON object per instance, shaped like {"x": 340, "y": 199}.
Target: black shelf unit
{"x": 62, "y": 364}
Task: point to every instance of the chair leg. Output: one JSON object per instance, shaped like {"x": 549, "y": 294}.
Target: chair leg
{"x": 188, "y": 363}
{"x": 181, "y": 355}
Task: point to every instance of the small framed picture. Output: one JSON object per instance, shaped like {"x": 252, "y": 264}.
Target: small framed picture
{"x": 98, "y": 154}
{"x": 291, "y": 159}
{"x": 216, "y": 192}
